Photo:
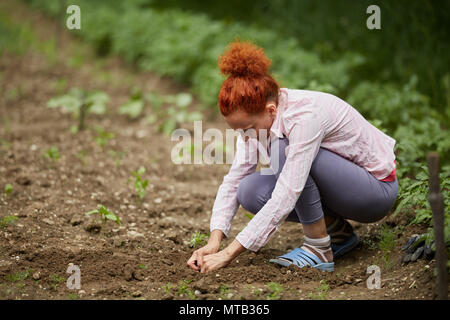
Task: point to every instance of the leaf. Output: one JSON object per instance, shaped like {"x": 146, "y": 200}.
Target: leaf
{"x": 132, "y": 109}
{"x": 168, "y": 126}
{"x": 183, "y": 100}
{"x": 402, "y": 204}
{"x": 92, "y": 212}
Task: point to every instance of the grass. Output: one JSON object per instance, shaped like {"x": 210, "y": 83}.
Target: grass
{"x": 321, "y": 292}
{"x": 18, "y": 276}
{"x": 183, "y": 288}
{"x": 198, "y": 239}
{"x": 8, "y": 189}
{"x": 274, "y": 291}
{"x": 386, "y": 244}
{"x": 56, "y": 280}
{"x": 7, "y": 220}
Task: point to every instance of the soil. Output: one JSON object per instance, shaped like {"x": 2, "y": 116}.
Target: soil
{"x": 145, "y": 257}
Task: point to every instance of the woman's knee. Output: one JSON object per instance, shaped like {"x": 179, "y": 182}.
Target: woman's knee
{"x": 254, "y": 191}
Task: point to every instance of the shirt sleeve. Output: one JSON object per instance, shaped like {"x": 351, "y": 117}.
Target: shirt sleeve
{"x": 305, "y": 136}
{"x": 226, "y": 203}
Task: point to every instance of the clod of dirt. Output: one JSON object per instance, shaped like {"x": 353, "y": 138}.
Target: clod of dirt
{"x": 76, "y": 220}
{"x": 128, "y": 272}
{"x": 172, "y": 235}
{"x": 23, "y": 180}
{"x": 136, "y": 294}
{"x": 37, "y": 275}
{"x": 201, "y": 286}
{"x": 48, "y": 221}
{"x": 93, "y": 227}
{"x": 134, "y": 235}
{"x": 138, "y": 275}
{"x": 167, "y": 261}
{"x": 167, "y": 296}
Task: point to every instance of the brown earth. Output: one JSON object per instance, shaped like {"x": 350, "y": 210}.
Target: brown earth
{"x": 145, "y": 257}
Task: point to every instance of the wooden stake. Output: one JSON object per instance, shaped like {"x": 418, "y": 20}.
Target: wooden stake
{"x": 437, "y": 206}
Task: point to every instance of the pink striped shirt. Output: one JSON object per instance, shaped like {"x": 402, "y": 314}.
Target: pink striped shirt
{"x": 310, "y": 120}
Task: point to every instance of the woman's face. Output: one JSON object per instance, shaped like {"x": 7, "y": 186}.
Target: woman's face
{"x": 251, "y": 124}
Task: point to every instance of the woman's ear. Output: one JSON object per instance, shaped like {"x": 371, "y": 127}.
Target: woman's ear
{"x": 271, "y": 108}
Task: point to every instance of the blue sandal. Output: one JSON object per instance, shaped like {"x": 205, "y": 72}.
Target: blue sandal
{"x": 348, "y": 245}
{"x": 302, "y": 258}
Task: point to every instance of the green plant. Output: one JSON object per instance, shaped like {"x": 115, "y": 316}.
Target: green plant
{"x": 167, "y": 288}
{"x": 105, "y": 215}
{"x": 183, "y": 288}
{"x": 7, "y": 220}
{"x": 321, "y": 292}
{"x": 198, "y": 239}
{"x": 224, "y": 291}
{"x": 139, "y": 185}
{"x": 56, "y": 280}
{"x": 19, "y": 276}
{"x": 274, "y": 290}
{"x": 52, "y": 154}
{"x": 103, "y": 137}
{"x": 386, "y": 238}
{"x": 79, "y": 103}
{"x": 134, "y": 107}
{"x": 8, "y": 189}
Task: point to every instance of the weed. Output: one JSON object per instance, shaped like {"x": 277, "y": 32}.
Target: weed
{"x": 143, "y": 266}
{"x": 56, "y": 280}
{"x": 52, "y": 154}
{"x": 386, "y": 237}
{"x": 183, "y": 288}
{"x": 224, "y": 291}
{"x": 103, "y": 137}
{"x": 73, "y": 296}
{"x": 198, "y": 239}
{"x": 321, "y": 292}
{"x": 19, "y": 276}
{"x": 140, "y": 185}
{"x": 274, "y": 291}
{"x": 7, "y": 220}
{"x": 167, "y": 288}
{"x": 104, "y": 215}
{"x": 8, "y": 189}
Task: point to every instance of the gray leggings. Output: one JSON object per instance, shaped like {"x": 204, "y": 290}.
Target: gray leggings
{"x": 335, "y": 187}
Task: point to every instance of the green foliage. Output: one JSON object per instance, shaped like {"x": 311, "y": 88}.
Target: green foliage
{"x": 52, "y": 154}
{"x": 8, "y": 189}
{"x": 134, "y": 107}
{"x": 183, "y": 288}
{"x": 274, "y": 291}
{"x": 140, "y": 185}
{"x": 103, "y": 136}
{"x": 321, "y": 292}
{"x": 7, "y": 220}
{"x": 105, "y": 215}
{"x": 198, "y": 239}
{"x": 386, "y": 238}
{"x": 19, "y": 276}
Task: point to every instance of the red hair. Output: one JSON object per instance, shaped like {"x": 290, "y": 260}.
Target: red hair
{"x": 249, "y": 85}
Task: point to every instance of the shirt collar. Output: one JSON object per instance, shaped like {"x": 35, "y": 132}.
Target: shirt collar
{"x": 275, "y": 129}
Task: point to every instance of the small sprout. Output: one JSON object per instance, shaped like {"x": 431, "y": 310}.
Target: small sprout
{"x": 140, "y": 185}
{"x": 7, "y": 220}
{"x": 167, "y": 288}
{"x": 143, "y": 266}
{"x": 103, "y": 137}
{"x": 52, "y": 154}
{"x": 8, "y": 189}
{"x": 321, "y": 293}
{"x": 274, "y": 291}
{"x": 104, "y": 215}
{"x": 198, "y": 239}
{"x": 56, "y": 280}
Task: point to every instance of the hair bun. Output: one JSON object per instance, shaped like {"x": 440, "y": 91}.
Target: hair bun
{"x": 244, "y": 59}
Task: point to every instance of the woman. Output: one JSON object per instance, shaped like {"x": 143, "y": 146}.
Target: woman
{"x": 332, "y": 165}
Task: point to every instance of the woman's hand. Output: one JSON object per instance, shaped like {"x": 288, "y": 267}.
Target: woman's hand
{"x": 196, "y": 260}
{"x": 221, "y": 259}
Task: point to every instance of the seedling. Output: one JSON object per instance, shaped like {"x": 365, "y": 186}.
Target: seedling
{"x": 103, "y": 137}
{"x": 139, "y": 185}
{"x": 133, "y": 107}
{"x": 105, "y": 215}
{"x": 274, "y": 291}
{"x": 7, "y": 220}
{"x": 321, "y": 292}
{"x": 79, "y": 103}
{"x": 117, "y": 156}
{"x": 167, "y": 288}
{"x": 19, "y": 276}
{"x": 52, "y": 154}
{"x": 387, "y": 243}
{"x": 56, "y": 280}
{"x": 198, "y": 239}
{"x": 224, "y": 291}
{"x": 8, "y": 189}
{"x": 183, "y": 288}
